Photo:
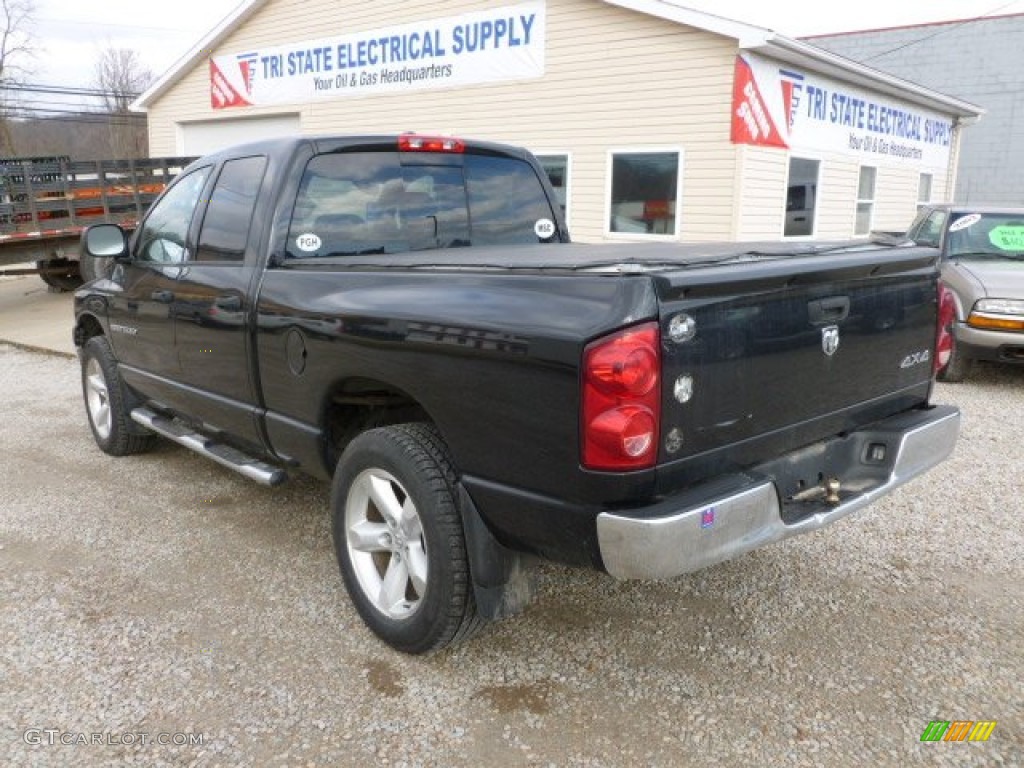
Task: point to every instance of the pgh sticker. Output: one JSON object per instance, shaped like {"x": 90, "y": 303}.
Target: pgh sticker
{"x": 544, "y": 229}
{"x": 308, "y": 243}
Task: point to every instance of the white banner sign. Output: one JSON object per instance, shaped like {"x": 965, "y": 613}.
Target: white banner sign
{"x": 488, "y": 46}
{"x": 803, "y": 111}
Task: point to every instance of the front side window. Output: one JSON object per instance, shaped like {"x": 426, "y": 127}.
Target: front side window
{"x": 361, "y": 203}
{"x": 801, "y": 197}
{"x": 226, "y": 224}
{"x": 865, "y": 200}
{"x": 645, "y": 193}
{"x": 928, "y": 230}
{"x": 164, "y": 233}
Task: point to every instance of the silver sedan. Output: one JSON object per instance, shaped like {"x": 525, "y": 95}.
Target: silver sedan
{"x": 983, "y": 264}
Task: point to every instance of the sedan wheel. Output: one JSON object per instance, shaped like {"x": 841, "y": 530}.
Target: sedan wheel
{"x": 958, "y": 367}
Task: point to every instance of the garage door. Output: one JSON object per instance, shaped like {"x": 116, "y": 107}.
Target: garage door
{"x": 203, "y": 137}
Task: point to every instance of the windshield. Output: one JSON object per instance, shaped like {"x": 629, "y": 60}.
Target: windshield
{"x": 986, "y": 236}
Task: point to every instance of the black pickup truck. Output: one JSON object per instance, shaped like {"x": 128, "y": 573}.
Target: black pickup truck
{"x": 407, "y": 317}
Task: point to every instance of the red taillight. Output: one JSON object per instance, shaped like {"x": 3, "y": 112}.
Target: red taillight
{"x": 944, "y": 332}
{"x": 621, "y": 407}
{"x": 414, "y": 143}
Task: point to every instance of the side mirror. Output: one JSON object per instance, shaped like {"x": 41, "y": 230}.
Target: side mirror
{"x": 105, "y": 241}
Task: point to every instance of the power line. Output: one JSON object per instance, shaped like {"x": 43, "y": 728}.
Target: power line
{"x": 47, "y": 103}
{"x": 52, "y": 111}
{"x": 78, "y": 117}
{"x": 65, "y": 90}
{"x": 947, "y": 27}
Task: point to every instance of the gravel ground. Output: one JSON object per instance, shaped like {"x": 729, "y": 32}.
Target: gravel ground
{"x": 162, "y": 597}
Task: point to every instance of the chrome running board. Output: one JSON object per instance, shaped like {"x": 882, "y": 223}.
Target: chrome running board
{"x": 225, "y": 455}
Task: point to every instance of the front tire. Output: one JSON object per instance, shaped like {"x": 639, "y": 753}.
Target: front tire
{"x": 399, "y": 540}
{"x": 957, "y": 368}
{"x": 107, "y": 402}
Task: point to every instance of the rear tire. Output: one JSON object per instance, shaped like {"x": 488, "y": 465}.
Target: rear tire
{"x": 399, "y": 540}
{"x": 957, "y": 368}
{"x": 65, "y": 278}
{"x": 107, "y": 402}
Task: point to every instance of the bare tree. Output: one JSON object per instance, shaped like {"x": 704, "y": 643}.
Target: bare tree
{"x": 16, "y": 50}
{"x": 122, "y": 76}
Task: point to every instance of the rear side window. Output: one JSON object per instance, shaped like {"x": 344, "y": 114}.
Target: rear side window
{"x": 228, "y": 217}
{"x": 360, "y": 203}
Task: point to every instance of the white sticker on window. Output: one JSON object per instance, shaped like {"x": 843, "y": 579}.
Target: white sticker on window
{"x": 964, "y": 222}
{"x": 308, "y": 242}
{"x": 544, "y": 229}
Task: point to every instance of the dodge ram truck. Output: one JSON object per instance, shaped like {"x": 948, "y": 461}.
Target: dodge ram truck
{"x": 407, "y": 318}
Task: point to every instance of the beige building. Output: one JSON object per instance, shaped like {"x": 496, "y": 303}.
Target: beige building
{"x": 654, "y": 121}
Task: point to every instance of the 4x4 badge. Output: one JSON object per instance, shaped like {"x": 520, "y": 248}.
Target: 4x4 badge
{"x": 830, "y": 340}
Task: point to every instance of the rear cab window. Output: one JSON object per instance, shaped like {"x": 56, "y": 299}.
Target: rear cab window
{"x": 366, "y": 202}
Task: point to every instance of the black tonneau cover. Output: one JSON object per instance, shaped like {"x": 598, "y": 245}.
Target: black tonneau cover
{"x": 628, "y": 258}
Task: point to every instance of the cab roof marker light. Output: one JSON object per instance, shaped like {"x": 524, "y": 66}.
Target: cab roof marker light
{"x": 416, "y": 143}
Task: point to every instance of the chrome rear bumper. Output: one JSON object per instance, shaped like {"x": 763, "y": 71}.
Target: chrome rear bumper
{"x": 653, "y": 544}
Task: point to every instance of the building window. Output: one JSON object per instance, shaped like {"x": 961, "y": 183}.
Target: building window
{"x": 645, "y": 192}
{"x": 865, "y": 200}
{"x": 556, "y": 166}
{"x": 924, "y": 190}
{"x": 801, "y": 197}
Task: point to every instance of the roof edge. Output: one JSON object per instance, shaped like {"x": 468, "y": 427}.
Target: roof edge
{"x": 805, "y": 54}
{"x": 774, "y": 45}
{"x": 918, "y": 25}
{"x": 227, "y": 25}
{"x": 748, "y": 37}
{"x": 745, "y": 34}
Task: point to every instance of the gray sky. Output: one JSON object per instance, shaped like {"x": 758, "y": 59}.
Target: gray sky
{"x": 70, "y": 34}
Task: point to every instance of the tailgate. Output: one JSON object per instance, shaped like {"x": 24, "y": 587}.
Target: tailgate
{"x": 785, "y": 352}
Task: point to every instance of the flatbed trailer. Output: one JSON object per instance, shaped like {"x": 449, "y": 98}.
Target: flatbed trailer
{"x": 47, "y": 202}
